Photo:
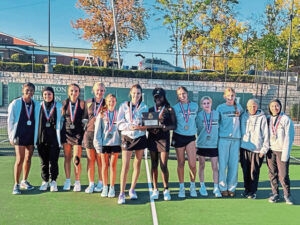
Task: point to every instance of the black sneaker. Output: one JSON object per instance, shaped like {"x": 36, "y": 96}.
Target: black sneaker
{"x": 245, "y": 194}
{"x": 252, "y": 196}
{"x": 288, "y": 200}
{"x": 274, "y": 198}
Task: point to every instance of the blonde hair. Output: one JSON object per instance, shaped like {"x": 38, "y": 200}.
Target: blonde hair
{"x": 227, "y": 90}
{"x": 205, "y": 98}
{"x": 99, "y": 84}
{"x": 252, "y": 100}
{"x": 183, "y": 88}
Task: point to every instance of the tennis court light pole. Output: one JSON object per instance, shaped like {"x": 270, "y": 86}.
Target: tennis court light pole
{"x": 48, "y": 32}
{"x": 288, "y": 57}
{"x": 116, "y": 33}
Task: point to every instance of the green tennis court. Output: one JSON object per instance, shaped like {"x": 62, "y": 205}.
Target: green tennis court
{"x": 35, "y": 207}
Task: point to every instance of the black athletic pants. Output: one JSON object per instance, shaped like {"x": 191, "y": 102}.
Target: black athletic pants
{"x": 49, "y": 154}
{"x": 251, "y": 163}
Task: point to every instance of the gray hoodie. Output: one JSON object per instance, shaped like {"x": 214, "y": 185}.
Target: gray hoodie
{"x": 283, "y": 139}
{"x": 255, "y": 133}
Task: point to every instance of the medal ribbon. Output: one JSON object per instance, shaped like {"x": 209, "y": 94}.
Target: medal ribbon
{"x": 96, "y": 111}
{"x": 110, "y": 123}
{"x": 73, "y": 113}
{"x": 183, "y": 111}
{"x": 208, "y": 130}
{"x": 28, "y": 112}
{"x": 274, "y": 129}
{"x": 131, "y": 114}
{"x": 45, "y": 111}
{"x": 160, "y": 112}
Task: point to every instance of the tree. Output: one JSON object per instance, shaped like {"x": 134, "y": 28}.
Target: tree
{"x": 98, "y": 27}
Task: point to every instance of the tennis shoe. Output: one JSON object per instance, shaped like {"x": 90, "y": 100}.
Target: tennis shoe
{"x": 16, "y": 189}
{"x": 181, "y": 193}
{"x": 217, "y": 193}
{"x": 121, "y": 199}
{"x": 53, "y": 186}
{"x": 77, "y": 186}
{"x": 67, "y": 185}
{"x": 203, "y": 191}
{"x": 132, "y": 194}
{"x": 111, "y": 193}
{"x": 155, "y": 194}
{"x": 26, "y": 185}
{"x": 90, "y": 189}
{"x": 167, "y": 196}
{"x": 99, "y": 187}
{"x": 44, "y": 186}
{"x": 104, "y": 191}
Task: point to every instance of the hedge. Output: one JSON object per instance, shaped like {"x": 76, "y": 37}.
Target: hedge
{"x": 108, "y": 72}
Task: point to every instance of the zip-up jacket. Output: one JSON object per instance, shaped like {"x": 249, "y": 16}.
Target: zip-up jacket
{"x": 284, "y": 136}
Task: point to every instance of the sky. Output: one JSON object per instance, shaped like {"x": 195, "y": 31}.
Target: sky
{"x": 29, "y": 18}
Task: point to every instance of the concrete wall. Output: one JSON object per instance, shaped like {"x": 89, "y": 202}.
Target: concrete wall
{"x": 264, "y": 92}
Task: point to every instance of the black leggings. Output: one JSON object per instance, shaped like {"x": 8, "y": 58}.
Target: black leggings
{"x": 49, "y": 154}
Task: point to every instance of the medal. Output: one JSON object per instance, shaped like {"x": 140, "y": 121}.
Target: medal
{"x": 208, "y": 127}
{"x": 110, "y": 123}
{"x": 109, "y": 135}
{"x": 46, "y": 113}
{"x": 160, "y": 111}
{"x": 73, "y": 113}
{"x": 186, "y": 127}
{"x": 97, "y": 110}
{"x": 274, "y": 129}
{"x": 131, "y": 114}
{"x": 28, "y": 112}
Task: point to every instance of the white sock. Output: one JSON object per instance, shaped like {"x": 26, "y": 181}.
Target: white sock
{"x": 77, "y": 181}
{"x": 100, "y": 182}
{"x": 192, "y": 184}
{"x": 216, "y": 186}
{"x": 68, "y": 180}
{"x": 181, "y": 185}
{"x": 202, "y": 184}
{"x": 112, "y": 187}
{"x": 91, "y": 184}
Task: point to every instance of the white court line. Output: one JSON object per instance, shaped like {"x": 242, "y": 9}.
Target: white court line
{"x": 153, "y": 209}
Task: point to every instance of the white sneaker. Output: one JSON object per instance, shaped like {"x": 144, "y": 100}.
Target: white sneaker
{"x": 155, "y": 194}
{"x": 99, "y": 187}
{"x": 181, "y": 193}
{"x": 90, "y": 189}
{"x": 193, "y": 192}
{"x": 132, "y": 194}
{"x": 104, "y": 191}
{"x": 121, "y": 199}
{"x": 111, "y": 193}
{"x": 53, "y": 186}
{"x": 203, "y": 191}
{"x": 217, "y": 193}
{"x": 167, "y": 196}
{"x": 44, "y": 186}
{"x": 77, "y": 186}
{"x": 67, "y": 185}
{"x": 26, "y": 185}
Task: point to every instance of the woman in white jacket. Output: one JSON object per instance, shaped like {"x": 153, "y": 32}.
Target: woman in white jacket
{"x": 254, "y": 145}
{"x": 281, "y": 129}
{"x": 21, "y": 122}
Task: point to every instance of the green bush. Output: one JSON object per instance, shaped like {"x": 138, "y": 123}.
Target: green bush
{"x": 109, "y": 72}
{"x": 17, "y": 57}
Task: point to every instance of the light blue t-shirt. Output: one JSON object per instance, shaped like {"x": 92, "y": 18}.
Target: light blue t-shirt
{"x": 186, "y": 128}
{"x": 230, "y": 120}
{"x": 207, "y": 137}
